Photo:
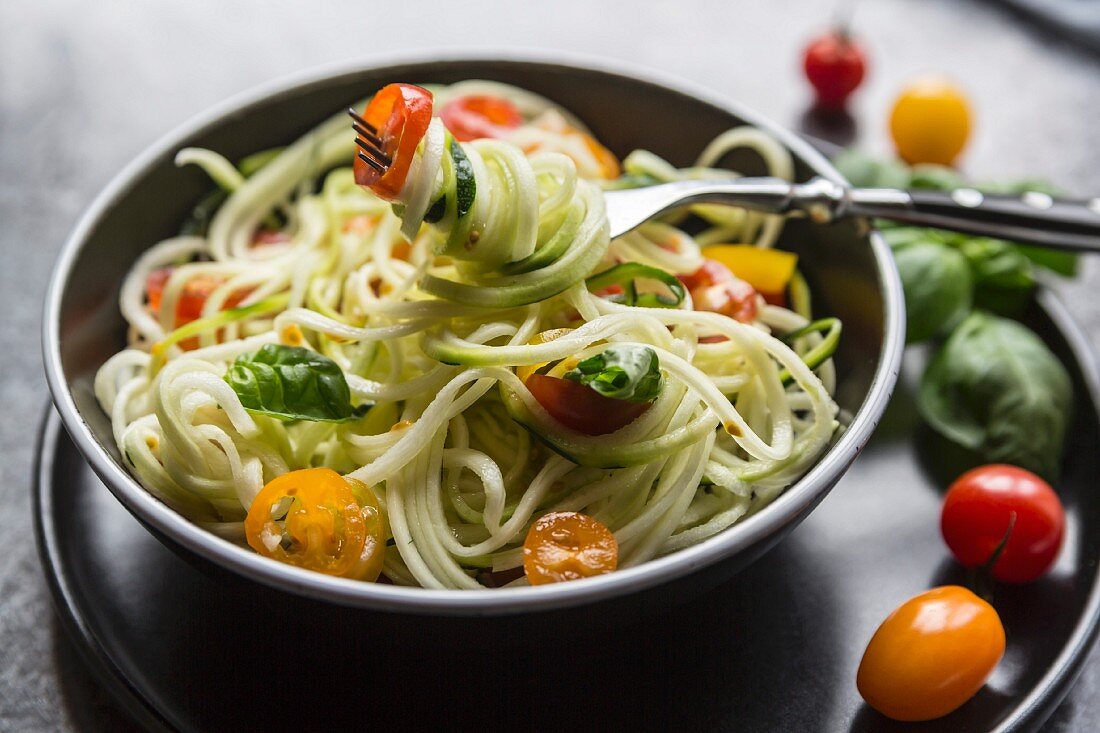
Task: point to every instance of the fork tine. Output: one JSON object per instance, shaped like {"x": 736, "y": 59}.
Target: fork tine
{"x": 372, "y": 163}
{"x": 374, "y": 152}
{"x": 372, "y": 139}
{"x": 356, "y": 116}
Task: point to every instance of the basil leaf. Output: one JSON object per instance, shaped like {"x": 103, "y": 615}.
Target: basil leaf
{"x": 622, "y": 372}
{"x": 1057, "y": 261}
{"x": 292, "y": 383}
{"x": 1003, "y": 277}
{"x": 937, "y": 284}
{"x": 935, "y": 177}
{"x": 870, "y": 172}
{"x": 627, "y": 273}
{"x": 996, "y": 389}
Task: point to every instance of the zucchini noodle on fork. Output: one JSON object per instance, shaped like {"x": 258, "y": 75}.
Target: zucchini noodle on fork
{"x": 406, "y": 337}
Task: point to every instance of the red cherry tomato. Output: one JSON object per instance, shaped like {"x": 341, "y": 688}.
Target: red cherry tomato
{"x": 192, "y": 298}
{"x": 470, "y": 118}
{"x": 835, "y": 66}
{"x": 714, "y": 288}
{"x": 401, "y": 114}
{"x": 581, "y": 408}
{"x": 979, "y": 510}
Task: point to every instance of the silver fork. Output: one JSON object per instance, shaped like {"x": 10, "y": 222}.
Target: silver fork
{"x": 1034, "y": 217}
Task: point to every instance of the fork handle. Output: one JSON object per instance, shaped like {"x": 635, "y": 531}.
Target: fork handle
{"x": 1033, "y": 217}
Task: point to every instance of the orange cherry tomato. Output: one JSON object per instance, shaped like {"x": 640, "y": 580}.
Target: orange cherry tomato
{"x": 609, "y": 164}
{"x": 316, "y": 519}
{"x": 581, "y": 408}
{"x": 930, "y": 122}
{"x": 568, "y": 546}
{"x": 400, "y": 113}
{"x": 931, "y": 655}
{"x": 478, "y": 116}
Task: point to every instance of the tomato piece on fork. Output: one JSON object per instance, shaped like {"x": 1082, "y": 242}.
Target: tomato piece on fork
{"x": 388, "y": 132}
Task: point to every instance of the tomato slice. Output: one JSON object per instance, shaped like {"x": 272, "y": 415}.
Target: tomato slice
{"x": 714, "y": 288}
{"x": 193, "y": 297}
{"x": 581, "y": 408}
{"x": 400, "y": 114}
{"x": 568, "y": 546}
{"x": 316, "y": 519}
{"x": 478, "y": 116}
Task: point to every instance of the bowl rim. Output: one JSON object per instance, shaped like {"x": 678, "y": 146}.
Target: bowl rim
{"x": 794, "y": 502}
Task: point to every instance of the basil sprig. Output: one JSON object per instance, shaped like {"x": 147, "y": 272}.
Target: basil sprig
{"x": 626, "y": 276}
{"x": 292, "y": 383}
{"x": 996, "y": 389}
{"x": 623, "y": 372}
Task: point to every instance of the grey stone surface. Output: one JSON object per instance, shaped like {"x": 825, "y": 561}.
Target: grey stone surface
{"x": 84, "y": 86}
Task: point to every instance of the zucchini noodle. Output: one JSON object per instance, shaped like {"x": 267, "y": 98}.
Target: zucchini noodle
{"x": 436, "y": 308}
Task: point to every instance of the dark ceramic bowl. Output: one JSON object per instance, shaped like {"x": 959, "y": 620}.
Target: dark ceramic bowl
{"x": 849, "y": 270}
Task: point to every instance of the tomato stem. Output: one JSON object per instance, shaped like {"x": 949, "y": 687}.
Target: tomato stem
{"x": 981, "y": 577}
{"x": 1001, "y": 545}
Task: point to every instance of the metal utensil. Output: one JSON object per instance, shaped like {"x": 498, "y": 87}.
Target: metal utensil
{"x": 1034, "y": 217}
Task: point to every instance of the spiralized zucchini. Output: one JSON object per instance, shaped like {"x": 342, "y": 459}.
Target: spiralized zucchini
{"x": 430, "y": 315}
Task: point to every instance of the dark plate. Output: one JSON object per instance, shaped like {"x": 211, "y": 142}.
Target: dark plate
{"x": 776, "y": 648}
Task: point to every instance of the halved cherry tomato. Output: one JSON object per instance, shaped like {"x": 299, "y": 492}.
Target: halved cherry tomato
{"x": 316, "y": 519}
{"x": 930, "y": 122}
{"x": 568, "y": 546}
{"x": 714, "y": 288}
{"x": 193, "y": 296}
{"x": 609, "y": 164}
{"x": 401, "y": 114}
{"x": 982, "y": 505}
{"x": 581, "y": 408}
{"x": 931, "y": 655}
{"x": 477, "y": 116}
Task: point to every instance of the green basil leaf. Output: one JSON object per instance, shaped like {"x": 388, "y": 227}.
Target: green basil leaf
{"x": 996, "y": 389}
{"x": 625, "y": 276}
{"x": 935, "y": 177}
{"x": 937, "y": 285}
{"x": 1057, "y": 261}
{"x": 292, "y": 383}
{"x": 1003, "y": 277}
{"x": 622, "y": 372}
{"x": 870, "y": 172}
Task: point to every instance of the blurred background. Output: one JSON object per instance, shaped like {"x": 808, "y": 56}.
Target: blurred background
{"x": 85, "y": 86}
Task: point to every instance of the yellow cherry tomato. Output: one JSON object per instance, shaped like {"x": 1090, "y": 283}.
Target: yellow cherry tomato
{"x": 769, "y": 271}
{"x": 930, "y": 122}
{"x": 316, "y": 519}
{"x": 525, "y": 371}
{"x": 568, "y": 546}
{"x": 931, "y": 655}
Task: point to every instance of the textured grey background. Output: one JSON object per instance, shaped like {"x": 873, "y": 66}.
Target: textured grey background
{"x": 84, "y": 86}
